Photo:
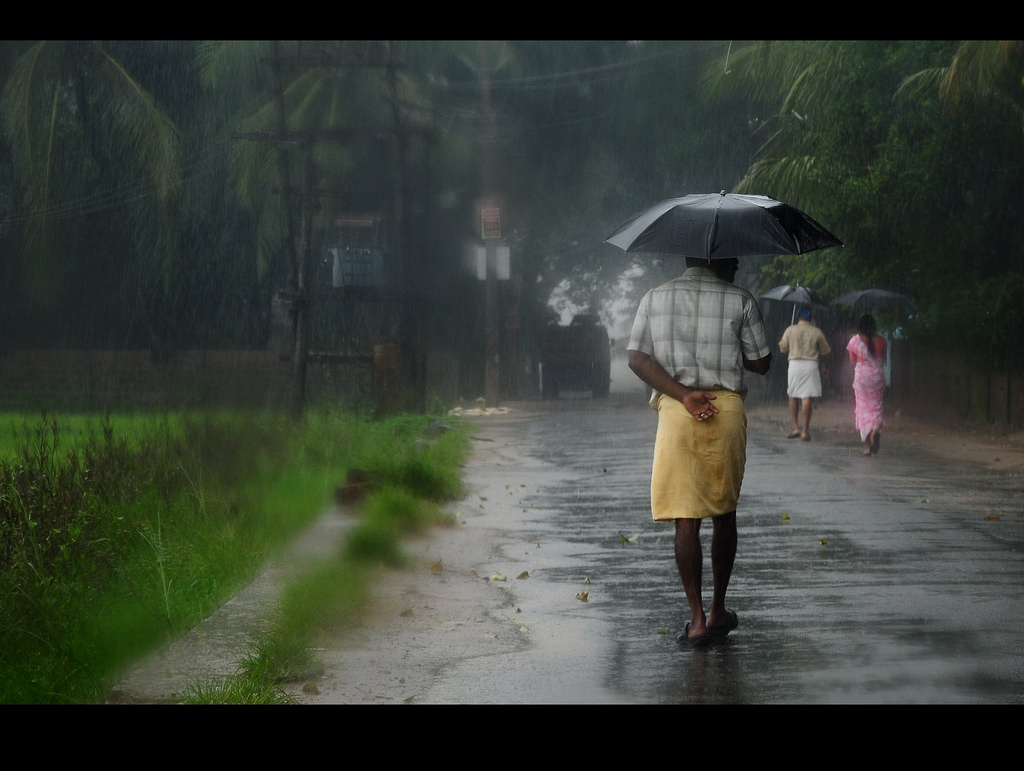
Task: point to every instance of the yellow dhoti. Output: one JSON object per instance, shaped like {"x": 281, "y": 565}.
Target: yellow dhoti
{"x": 698, "y": 465}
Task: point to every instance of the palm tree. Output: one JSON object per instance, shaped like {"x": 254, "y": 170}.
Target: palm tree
{"x": 96, "y": 167}
{"x": 312, "y": 149}
{"x": 796, "y": 84}
{"x": 910, "y": 151}
{"x": 979, "y": 69}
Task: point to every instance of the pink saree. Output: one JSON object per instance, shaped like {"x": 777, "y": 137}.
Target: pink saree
{"x": 868, "y": 384}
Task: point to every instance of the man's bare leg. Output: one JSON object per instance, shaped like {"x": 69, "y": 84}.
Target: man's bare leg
{"x": 794, "y": 413}
{"x": 808, "y": 405}
{"x": 723, "y": 555}
{"x": 690, "y": 563}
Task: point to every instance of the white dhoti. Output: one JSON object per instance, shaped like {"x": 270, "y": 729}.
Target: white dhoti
{"x": 804, "y": 379}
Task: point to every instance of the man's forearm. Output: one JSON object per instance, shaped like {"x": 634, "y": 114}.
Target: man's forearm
{"x": 656, "y": 376}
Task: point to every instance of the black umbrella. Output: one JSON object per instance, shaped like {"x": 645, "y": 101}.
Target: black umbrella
{"x": 718, "y": 226}
{"x": 794, "y": 293}
{"x": 867, "y": 299}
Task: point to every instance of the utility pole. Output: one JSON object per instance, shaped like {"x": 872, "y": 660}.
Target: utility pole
{"x": 492, "y": 350}
{"x": 298, "y": 258}
{"x": 302, "y": 291}
{"x": 298, "y": 245}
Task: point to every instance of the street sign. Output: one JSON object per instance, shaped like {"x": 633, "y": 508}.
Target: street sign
{"x": 490, "y": 223}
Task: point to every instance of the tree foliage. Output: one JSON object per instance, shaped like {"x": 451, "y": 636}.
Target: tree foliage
{"x": 910, "y": 151}
{"x": 95, "y": 178}
{"x": 137, "y": 206}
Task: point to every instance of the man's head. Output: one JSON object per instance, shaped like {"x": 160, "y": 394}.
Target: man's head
{"x": 724, "y": 269}
{"x": 804, "y": 314}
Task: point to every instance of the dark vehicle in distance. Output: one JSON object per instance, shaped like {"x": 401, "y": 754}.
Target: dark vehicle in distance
{"x": 576, "y": 357}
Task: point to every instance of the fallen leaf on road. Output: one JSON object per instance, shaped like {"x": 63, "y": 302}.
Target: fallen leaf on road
{"x": 524, "y": 574}
{"x": 785, "y": 516}
{"x": 498, "y": 577}
{"x": 583, "y": 596}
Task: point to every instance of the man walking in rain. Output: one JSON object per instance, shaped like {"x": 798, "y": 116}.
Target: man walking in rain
{"x": 692, "y": 341}
{"x": 805, "y": 344}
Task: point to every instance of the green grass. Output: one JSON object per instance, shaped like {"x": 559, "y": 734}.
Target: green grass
{"x": 118, "y": 533}
{"x": 76, "y": 429}
{"x": 331, "y": 596}
{"x": 239, "y": 689}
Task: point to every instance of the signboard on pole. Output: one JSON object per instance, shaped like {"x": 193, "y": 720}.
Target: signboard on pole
{"x": 490, "y": 222}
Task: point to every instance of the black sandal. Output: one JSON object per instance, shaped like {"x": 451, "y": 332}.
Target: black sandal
{"x": 683, "y": 638}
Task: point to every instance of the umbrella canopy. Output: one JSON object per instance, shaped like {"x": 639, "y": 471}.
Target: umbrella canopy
{"x": 794, "y": 293}
{"x": 718, "y": 226}
{"x": 866, "y": 299}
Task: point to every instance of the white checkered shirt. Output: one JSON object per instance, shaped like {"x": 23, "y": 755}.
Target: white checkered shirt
{"x": 699, "y": 328}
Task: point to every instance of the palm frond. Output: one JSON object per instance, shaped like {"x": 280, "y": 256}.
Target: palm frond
{"x": 792, "y": 179}
{"x": 149, "y": 136}
{"x": 237, "y": 66}
{"x": 923, "y": 84}
{"x": 980, "y": 68}
{"x": 768, "y": 72}
{"x": 31, "y": 97}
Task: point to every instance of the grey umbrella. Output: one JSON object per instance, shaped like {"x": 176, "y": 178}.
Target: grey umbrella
{"x": 868, "y": 299}
{"x": 794, "y": 293}
{"x": 718, "y": 226}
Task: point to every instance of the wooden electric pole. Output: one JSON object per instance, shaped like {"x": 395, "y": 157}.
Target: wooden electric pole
{"x": 492, "y": 340}
{"x": 298, "y": 245}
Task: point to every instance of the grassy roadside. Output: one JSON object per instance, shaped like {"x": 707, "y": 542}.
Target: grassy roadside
{"x": 118, "y": 534}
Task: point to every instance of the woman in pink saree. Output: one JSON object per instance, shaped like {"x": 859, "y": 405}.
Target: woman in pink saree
{"x": 867, "y": 355}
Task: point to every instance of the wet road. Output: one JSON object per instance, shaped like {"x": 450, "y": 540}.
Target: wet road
{"x": 888, "y": 580}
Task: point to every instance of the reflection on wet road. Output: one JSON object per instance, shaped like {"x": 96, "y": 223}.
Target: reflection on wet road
{"x": 857, "y": 580}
